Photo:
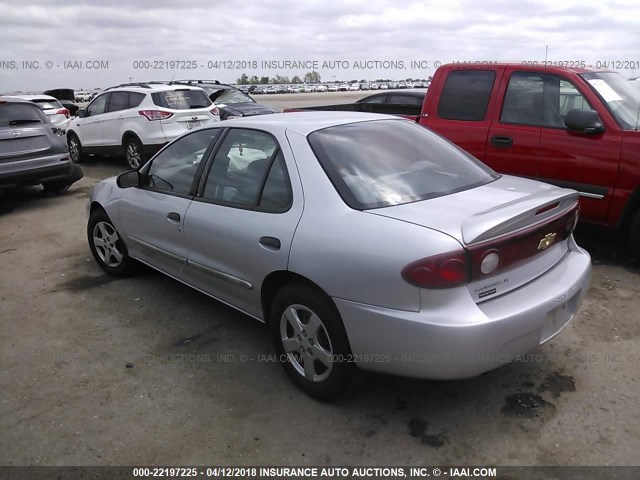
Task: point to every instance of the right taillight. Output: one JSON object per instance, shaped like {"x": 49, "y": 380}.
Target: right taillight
{"x": 155, "y": 114}
{"x": 446, "y": 270}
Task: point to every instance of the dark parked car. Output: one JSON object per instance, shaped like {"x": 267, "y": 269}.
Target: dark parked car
{"x": 410, "y": 97}
{"x": 32, "y": 151}
{"x": 67, "y": 98}
{"x": 231, "y": 101}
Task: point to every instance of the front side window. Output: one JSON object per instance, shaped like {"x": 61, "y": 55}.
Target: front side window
{"x": 390, "y": 162}
{"x": 540, "y": 100}
{"x": 466, "y": 95}
{"x": 175, "y": 167}
{"x": 98, "y": 106}
{"x": 248, "y": 171}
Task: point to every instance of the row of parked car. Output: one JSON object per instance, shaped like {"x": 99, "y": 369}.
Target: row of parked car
{"x": 331, "y": 87}
{"x": 43, "y": 139}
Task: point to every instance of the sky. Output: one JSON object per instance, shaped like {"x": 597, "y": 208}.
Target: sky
{"x": 86, "y": 45}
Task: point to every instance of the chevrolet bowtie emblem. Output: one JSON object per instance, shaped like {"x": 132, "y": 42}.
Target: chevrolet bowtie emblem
{"x": 547, "y": 241}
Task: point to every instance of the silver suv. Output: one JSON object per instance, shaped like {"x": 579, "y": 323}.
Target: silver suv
{"x": 137, "y": 120}
{"x": 32, "y": 150}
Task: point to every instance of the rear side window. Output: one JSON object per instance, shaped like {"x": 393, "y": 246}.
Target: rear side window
{"x": 135, "y": 99}
{"x": 249, "y": 171}
{"x": 390, "y": 162}
{"x": 19, "y": 113}
{"x": 466, "y": 95}
{"x": 182, "y": 99}
{"x": 123, "y": 100}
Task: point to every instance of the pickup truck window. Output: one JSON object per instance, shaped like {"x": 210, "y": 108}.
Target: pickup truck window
{"x": 466, "y": 94}
{"x": 540, "y": 100}
{"x": 390, "y": 162}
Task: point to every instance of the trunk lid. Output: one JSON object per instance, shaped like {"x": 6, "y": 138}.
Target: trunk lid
{"x": 527, "y": 224}
{"x": 21, "y": 142}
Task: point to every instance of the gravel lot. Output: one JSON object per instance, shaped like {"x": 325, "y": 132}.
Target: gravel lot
{"x": 104, "y": 371}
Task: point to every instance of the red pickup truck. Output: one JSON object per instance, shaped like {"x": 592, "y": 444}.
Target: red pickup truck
{"x": 576, "y": 128}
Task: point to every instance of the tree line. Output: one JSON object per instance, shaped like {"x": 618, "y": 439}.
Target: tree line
{"x": 309, "y": 77}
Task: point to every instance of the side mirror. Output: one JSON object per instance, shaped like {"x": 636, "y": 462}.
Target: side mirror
{"x": 129, "y": 179}
{"x": 584, "y": 121}
{"x": 82, "y": 112}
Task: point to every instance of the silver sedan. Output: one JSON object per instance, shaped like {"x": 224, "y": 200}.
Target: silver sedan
{"x": 366, "y": 242}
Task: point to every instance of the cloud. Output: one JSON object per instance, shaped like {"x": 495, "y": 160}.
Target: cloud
{"x": 122, "y": 34}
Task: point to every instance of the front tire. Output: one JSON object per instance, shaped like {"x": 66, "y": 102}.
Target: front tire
{"x": 75, "y": 149}
{"x": 107, "y": 246}
{"x": 312, "y": 343}
{"x": 133, "y": 153}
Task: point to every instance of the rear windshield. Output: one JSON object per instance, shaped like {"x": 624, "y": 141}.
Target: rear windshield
{"x": 230, "y": 96}
{"x": 18, "y": 113}
{"x": 181, "y": 99}
{"x": 390, "y": 162}
{"x": 44, "y": 104}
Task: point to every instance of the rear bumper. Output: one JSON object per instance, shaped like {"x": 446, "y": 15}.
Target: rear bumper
{"x": 48, "y": 169}
{"x": 462, "y": 339}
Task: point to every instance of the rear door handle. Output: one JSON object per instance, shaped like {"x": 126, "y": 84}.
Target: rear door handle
{"x": 271, "y": 242}
{"x": 501, "y": 141}
{"x": 173, "y": 217}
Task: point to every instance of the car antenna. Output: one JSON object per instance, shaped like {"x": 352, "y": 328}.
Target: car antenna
{"x": 172, "y": 78}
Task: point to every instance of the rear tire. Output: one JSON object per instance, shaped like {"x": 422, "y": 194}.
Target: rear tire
{"x": 634, "y": 235}
{"x": 312, "y": 343}
{"x": 75, "y": 149}
{"x": 107, "y": 246}
{"x": 133, "y": 153}
{"x": 53, "y": 188}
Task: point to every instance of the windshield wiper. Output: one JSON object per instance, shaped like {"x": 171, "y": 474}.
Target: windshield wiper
{"x": 198, "y": 106}
{"x": 20, "y": 122}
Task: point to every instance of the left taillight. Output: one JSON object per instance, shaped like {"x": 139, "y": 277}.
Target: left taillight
{"x": 446, "y": 270}
{"x": 63, "y": 111}
{"x": 152, "y": 115}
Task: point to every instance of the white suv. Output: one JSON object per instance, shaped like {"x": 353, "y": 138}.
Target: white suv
{"x": 137, "y": 120}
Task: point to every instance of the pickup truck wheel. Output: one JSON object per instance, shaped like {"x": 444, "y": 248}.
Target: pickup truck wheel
{"x": 133, "y": 152}
{"x": 312, "y": 343}
{"x": 75, "y": 149}
{"x": 634, "y": 234}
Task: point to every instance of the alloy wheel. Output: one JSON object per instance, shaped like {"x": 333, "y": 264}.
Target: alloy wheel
{"x": 306, "y": 343}
{"x": 107, "y": 244}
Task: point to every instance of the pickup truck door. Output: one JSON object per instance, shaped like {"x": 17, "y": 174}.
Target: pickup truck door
{"x": 586, "y": 163}
{"x": 459, "y": 107}
{"x": 514, "y": 137}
